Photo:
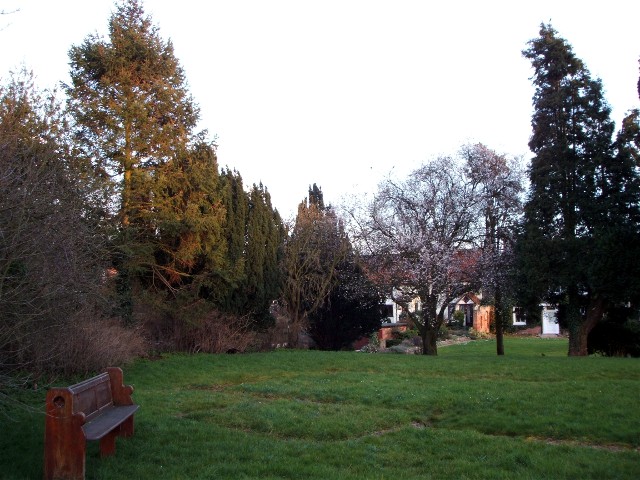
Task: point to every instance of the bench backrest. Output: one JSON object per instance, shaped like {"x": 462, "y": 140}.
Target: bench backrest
{"x": 92, "y": 396}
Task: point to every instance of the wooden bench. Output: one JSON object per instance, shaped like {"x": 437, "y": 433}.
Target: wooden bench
{"x": 99, "y": 408}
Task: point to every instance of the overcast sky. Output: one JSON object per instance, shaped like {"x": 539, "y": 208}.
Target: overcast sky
{"x": 340, "y": 93}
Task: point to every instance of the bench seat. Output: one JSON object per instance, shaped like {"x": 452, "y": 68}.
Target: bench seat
{"x": 108, "y": 419}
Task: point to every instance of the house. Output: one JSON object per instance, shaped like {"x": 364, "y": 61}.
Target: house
{"x": 393, "y": 319}
{"x": 549, "y": 316}
{"x": 476, "y": 315}
{"x": 550, "y": 325}
{"x": 393, "y": 312}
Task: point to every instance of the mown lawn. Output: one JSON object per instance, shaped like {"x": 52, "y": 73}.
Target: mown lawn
{"x": 533, "y": 414}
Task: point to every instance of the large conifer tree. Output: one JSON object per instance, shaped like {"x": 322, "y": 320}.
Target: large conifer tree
{"x": 135, "y": 120}
{"x": 577, "y": 184}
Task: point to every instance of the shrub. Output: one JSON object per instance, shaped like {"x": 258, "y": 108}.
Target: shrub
{"x": 615, "y": 339}
{"x": 406, "y": 335}
{"x": 392, "y": 342}
{"x": 458, "y": 318}
{"x": 476, "y": 335}
{"x": 443, "y": 332}
{"x": 82, "y": 344}
{"x": 194, "y": 327}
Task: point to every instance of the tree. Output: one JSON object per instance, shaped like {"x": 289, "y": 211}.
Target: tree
{"x": 130, "y": 103}
{"x": 315, "y": 246}
{"x": 418, "y": 236}
{"x": 583, "y": 198}
{"x": 134, "y": 120}
{"x": 499, "y": 184}
{"x": 265, "y": 237}
{"x": 53, "y": 262}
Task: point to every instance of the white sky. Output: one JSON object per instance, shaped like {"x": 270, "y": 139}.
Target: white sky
{"x": 340, "y": 92}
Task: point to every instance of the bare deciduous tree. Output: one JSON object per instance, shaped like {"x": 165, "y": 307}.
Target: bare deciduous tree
{"x": 52, "y": 276}
{"x": 315, "y": 247}
{"x": 499, "y": 184}
{"x": 418, "y": 234}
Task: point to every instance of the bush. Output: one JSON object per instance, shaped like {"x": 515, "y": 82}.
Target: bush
{"x": 614, "y": 339}
{"x": 475, "y": 335}
{"x": 91, "y": 347}
{"x": 443, "y": 332}
{"x": 194, "y": 327}
{"x": 406, "y": 335}
{"x": 458, "y": 318}
{"x": 82, "y": 344}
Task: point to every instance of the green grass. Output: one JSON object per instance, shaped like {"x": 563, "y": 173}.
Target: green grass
{"x": 533, "y": 414}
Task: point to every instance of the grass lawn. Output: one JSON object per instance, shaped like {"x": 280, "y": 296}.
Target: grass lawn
{"x": 532, "y": 414}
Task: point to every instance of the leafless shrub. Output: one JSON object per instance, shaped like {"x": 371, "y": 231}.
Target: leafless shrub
{"x": 216, "y": 333}
{"x": 89, "y": 346}
{"x": 194, "y": 327}
{"x": 52, "y": 257}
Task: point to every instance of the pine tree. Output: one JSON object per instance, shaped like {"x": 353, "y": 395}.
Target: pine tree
{"x": 250, "y": 278}
{"x": 573, "y": 186}
{"x": 129, "y": 98}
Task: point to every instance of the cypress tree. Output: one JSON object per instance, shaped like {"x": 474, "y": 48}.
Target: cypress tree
{"x": 265, "y": 236}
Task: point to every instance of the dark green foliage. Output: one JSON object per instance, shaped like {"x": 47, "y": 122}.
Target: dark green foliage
{"x": 582, "y": 211}
{"x": 618, "y": 335}
{"x": 134, "y": 120}
{"x": 327, "y": 289}
{"x": 265, "y": 236}
{"x": 352, "y": 310}
{"x": 316, "y": 197}
{"x": 249, "y": 278}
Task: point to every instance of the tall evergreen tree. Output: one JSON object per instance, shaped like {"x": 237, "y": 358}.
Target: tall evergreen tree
{"x": 265, "y": 237}
{"x": 572, "y": 186}
{"x": 223, "y": 286}
{"x": 129, "y": 98}
{"x": 135, "y": 120}
{"x": 249, "y": 279}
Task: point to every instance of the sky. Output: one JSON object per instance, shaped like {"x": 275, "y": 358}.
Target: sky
{"x": 345, "y": 93}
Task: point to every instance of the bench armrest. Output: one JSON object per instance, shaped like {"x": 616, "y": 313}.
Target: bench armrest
{"x": 120, "y": 392}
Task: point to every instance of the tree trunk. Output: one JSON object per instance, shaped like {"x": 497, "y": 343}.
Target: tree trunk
{"x": 499, "y": 337}
{"x": 429, "y": 339}
{"x": 497, "y": 315}
{"x": 432, "y": 322}
{"x": 294, "y": 328}
{"x": 579, "y": 330}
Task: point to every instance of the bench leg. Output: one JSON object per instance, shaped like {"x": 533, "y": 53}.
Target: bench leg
{"x": 126, "y": 429}
{"x": 108, "y": 443}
